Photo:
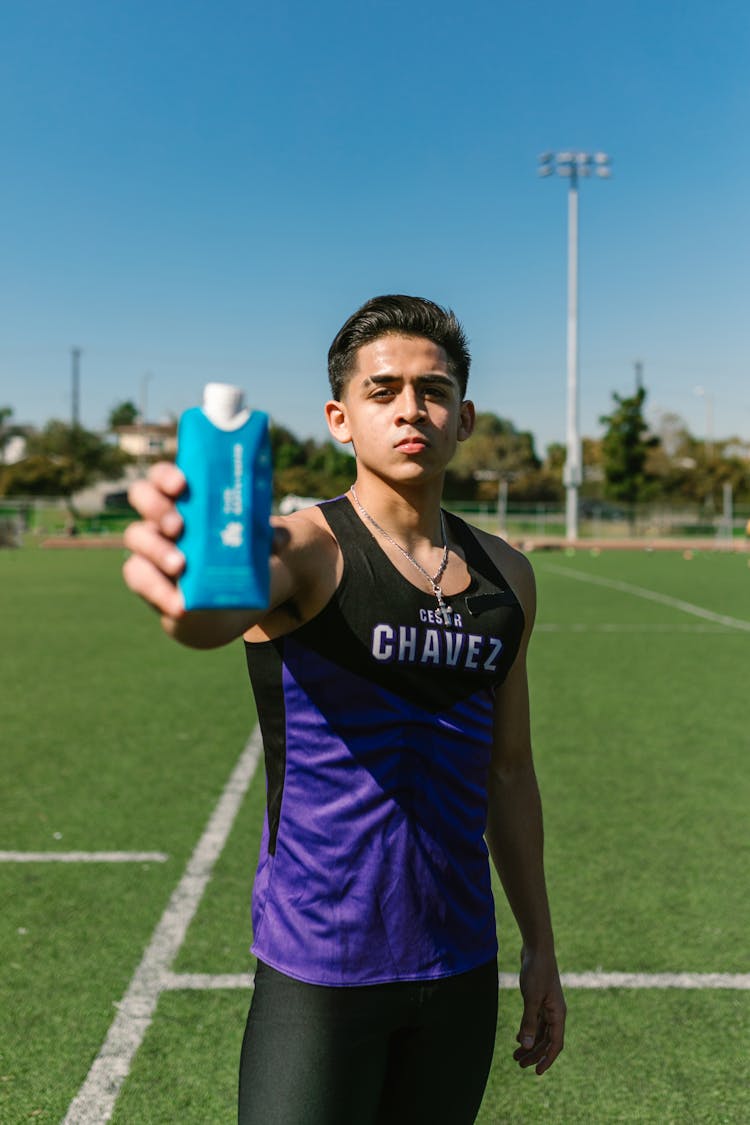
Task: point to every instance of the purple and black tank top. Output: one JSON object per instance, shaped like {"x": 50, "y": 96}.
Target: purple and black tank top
{"x": 377, "y": 727}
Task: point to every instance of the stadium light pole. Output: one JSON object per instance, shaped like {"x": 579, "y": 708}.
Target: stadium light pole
{"x": 573, "y": 165}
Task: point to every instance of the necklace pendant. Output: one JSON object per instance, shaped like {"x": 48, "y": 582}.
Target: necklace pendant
{"x": 446, "y": 611}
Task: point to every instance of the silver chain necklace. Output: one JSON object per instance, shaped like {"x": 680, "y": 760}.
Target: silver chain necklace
{"x": 446, "y": 611}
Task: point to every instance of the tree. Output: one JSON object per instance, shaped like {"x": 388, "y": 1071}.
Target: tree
{"x": 625, "y": 449}
{"x": 550, "y": 476}
{"x": 123, "y": 414}
{"x": 308, "y": 468}
{"x": 555, "y": 458}
{"x": 690, "y": 476}
{"x": 286, "y": 449}
{"x": 495, "y": 447}
{"x": 62, "y": 459}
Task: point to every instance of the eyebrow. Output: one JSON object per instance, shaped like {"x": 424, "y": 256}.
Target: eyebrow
{"x": 394, "y": 377}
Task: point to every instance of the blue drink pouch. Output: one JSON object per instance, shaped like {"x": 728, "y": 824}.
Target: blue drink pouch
{"x": 224, "y": 451}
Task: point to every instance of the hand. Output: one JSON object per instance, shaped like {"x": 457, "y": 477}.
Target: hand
{"x": 543, "y": 1024}
{"x": 156, "y": 563}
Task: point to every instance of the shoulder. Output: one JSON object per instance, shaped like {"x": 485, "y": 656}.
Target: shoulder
{"x": 306, "y": 568}
{"x": 305, "y": 529}
{"x": 514, "y": 566}
{"x": 306, "y": 545}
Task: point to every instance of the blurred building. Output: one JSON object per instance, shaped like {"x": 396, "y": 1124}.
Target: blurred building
{"x": 149, "y": 441}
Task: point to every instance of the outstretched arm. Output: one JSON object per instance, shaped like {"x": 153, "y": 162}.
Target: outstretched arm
{"x": 303, "y": 555}
{"x": 515, "y": 841}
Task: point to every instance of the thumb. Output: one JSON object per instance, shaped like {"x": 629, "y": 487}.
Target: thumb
{"x": 527, "y": 1032}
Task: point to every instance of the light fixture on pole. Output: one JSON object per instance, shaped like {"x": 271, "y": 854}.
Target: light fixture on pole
{"x": 571, "y": 165}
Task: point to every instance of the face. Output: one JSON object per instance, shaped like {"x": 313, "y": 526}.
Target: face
{"x": 401, "y": 409}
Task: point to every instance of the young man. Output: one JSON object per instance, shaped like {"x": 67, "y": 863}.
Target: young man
{"x": 389, "y": 673}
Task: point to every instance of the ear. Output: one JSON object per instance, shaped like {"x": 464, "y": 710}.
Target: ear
{"x": 338, "y": 422}
{"x": 466, "y": 419}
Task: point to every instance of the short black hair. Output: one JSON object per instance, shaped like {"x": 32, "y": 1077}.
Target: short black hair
{"x": 396, "y": 314}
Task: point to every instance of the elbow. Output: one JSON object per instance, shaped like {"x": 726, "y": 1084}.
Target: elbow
{"x": 509, "y": 773}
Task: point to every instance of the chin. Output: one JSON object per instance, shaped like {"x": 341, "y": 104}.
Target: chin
{"x": 416, "y": 474}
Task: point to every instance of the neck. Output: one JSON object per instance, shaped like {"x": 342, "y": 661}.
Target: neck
{"x": 409, "y": 513}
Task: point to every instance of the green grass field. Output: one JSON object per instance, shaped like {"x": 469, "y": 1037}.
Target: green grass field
{"x": 114, "y": 739}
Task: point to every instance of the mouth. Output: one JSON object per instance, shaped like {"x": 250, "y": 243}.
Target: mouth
{"x": 414, "y": 443}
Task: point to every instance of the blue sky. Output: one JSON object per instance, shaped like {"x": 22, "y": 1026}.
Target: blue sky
{"x": 194, "y": 191}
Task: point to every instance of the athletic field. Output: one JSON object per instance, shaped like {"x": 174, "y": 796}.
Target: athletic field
{"x": 130, "y": 812}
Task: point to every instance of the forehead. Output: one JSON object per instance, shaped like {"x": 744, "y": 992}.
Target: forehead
{"x": 400, "y": 355}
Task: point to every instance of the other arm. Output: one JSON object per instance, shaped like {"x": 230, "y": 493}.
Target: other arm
{"x": 515, "y": 840}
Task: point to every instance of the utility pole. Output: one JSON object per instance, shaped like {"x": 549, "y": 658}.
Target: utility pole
{"x": 75, "y": 398}
{"x": 638, "y": 375}
{"x": 143, "y": 418}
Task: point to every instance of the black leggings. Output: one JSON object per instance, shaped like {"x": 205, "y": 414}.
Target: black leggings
{"x": 389, "y": 1054}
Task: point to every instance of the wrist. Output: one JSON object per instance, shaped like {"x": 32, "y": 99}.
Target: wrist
{"x": 539, "y": 948}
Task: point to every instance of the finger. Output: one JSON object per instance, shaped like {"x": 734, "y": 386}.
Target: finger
{"x": 526, "y": 1059}
{"x": 156, "y": 507}
{"x": 532, "y": 1035}
{"x": 555, "y": 1042}
{"x": 533, "y": 1055}
{"x": 168, "y": 478}
{"x": 144, "y": 538}
{"x": 154, "y": 499}
{"x": 547, "y": 1046}
{"x": 151, "y": 584}
{"x": 545, "y": 1063}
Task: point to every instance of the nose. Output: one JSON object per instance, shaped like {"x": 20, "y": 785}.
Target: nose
{"x": 411, "y": 407}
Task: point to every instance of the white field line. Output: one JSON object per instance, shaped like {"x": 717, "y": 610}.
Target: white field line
{"x": 83, "y": 857}
{"x": 738, "y": 981}
{"x": 95, "y": 1101}
{"x": 174, "y": 982}
{"x": 651, "y": 595}
{"x": 628, "y": 627}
